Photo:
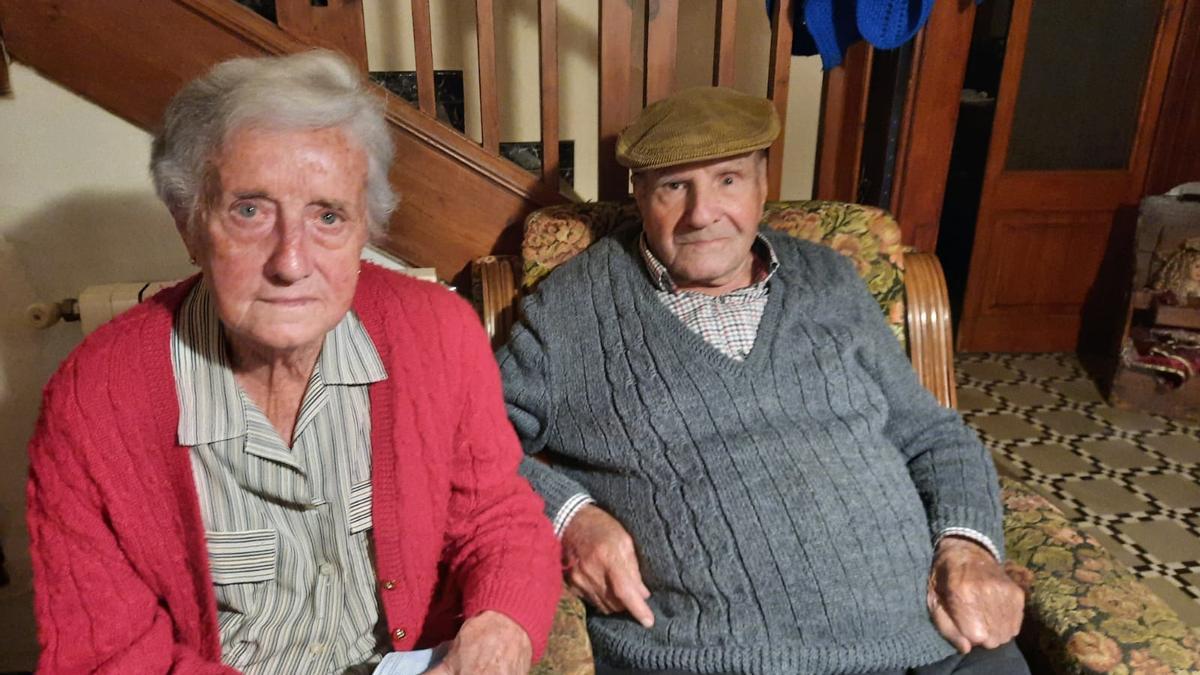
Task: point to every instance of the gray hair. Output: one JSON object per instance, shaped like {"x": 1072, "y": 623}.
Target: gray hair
{"x": 311, "y": 90}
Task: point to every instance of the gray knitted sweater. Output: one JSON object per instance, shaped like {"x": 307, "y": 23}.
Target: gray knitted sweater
{"x": 783, "y": 506}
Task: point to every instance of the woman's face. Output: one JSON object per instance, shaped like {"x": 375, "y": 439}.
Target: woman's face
{"x": 1194, "y": 271}
{"x": 279, "y": 243}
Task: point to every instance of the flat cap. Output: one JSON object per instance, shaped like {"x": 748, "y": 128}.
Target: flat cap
{"x": 697, "y": 124}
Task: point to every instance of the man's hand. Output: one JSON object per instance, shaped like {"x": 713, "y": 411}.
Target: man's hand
{"x": 487, "y": 643}
{"x": 602, "y": 566}
{"x": 972, "y": 601}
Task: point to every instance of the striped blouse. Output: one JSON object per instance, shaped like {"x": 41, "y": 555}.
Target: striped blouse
{"x": 287, "y": 528}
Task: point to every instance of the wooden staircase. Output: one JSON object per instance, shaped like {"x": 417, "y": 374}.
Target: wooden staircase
{"x": 459, "y": 199}
{"x": 130, "y": 56}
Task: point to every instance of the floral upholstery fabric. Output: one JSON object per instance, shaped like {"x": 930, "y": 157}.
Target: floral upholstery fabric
{"x": 1090, "y": 613}
{"x": 569, "y": 651}
{"x": 555, "y": 234}
{"x": 867, "y": 235}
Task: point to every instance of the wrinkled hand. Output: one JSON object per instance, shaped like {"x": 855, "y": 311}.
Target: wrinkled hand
{"x": 487, "y": 643}
{"x": 972, "y": 601}
{"x": 602, "y": 566}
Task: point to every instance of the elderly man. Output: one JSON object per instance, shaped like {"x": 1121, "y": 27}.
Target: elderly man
{"x": 746, "y": 474}
{"x": 292, "y": 462}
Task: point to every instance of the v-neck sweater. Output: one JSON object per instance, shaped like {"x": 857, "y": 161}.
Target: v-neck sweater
{"x": 783, "y": 507}
{"x": 121, "y": 571}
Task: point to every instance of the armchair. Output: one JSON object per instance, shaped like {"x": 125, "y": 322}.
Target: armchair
{"x": 1085, "y": 612}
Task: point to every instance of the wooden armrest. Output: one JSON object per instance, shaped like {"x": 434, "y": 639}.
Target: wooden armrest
{"x": 930, "y": 341}
{"x": 494, "y": 282}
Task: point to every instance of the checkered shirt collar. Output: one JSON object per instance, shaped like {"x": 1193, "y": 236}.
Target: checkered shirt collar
{"x": 662, "y": 280}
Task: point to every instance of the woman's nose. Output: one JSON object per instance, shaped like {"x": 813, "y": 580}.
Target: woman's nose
{"x": 291, "y": 260}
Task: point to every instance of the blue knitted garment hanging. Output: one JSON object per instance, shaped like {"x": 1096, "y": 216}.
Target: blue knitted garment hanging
{"x": 829, "y": 27}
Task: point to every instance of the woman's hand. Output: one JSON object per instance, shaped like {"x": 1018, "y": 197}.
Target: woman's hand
{"x": 487, "y": 643}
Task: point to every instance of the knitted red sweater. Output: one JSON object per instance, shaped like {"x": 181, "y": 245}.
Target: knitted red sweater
{"x": 121, "y": 569}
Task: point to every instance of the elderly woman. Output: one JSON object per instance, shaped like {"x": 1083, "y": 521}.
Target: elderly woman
{"x": 293, "y": 462}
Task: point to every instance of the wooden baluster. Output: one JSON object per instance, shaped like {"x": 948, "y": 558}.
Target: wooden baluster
{"x": 777, "y": 87}
{"x": 843, "y": 118}
{"x": 337, "y": 24}
{"x": 723, "y": 47}
{"x": 489, "y": 107}
{"x": 616, "y": 25}
{"x": 662, "y": 28}
{"x": 423, "y": 46}
{"x": 548, "y": 54}
{"x": 5, "y": 82}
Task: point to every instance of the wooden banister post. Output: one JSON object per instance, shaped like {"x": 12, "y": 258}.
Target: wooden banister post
{"x": 843, "y": 117}
{"x": 338, "y": 25}
{"x": 662, "y": 28}
{"x": 616, "y": 24}
{"x": 423, "y": 48}
{"x": 548, "y": 73}
{"x": 777, "y": 88}
{"x": 5, "y": 83}
{"x": 723, "y": 47}
{"x": 489, "y": 105}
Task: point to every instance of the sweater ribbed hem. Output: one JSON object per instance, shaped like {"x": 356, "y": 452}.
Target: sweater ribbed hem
{"x": 909, "y": 649}
{"x": 524, "y": 604}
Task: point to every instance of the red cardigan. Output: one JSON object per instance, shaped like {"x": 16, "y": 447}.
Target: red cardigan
{"x": 121, "y": 569}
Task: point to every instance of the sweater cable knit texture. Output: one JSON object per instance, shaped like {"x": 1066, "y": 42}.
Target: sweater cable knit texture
{"x": 782, "y": 506}
{"x": 121, "y": 568}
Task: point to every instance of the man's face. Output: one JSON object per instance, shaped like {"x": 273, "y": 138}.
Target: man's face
{"x": 701, "y": 220}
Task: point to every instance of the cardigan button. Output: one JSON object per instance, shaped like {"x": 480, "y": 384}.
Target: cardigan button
{"x": 389, "y": 585}
{"x": 399, "y": 634}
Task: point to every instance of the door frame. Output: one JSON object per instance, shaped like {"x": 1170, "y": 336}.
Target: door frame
{"x": 1175, "y": 157}
{"x": 988, "y": 327}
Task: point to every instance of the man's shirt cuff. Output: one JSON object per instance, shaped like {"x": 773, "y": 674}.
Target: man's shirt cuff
{"x": 966, "y": 532}
{"x": 568, "y": 510}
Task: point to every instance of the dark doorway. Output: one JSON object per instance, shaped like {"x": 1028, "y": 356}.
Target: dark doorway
{"x": 968, "y": 156}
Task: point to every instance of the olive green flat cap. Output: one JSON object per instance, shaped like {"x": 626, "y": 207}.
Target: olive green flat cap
{"x": 697, "y": 124}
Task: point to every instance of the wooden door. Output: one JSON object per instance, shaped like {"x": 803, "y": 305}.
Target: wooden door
{"x": 1076, "y": 112}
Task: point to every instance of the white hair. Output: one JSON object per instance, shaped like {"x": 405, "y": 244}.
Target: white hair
{"x": 310, "y": 90}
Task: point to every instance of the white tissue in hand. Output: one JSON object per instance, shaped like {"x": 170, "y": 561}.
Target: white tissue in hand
{"x": 411, "y": 663}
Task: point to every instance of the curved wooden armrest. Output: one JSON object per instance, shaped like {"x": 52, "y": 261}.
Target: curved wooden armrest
{"x": 930, "y": 342}
{"x": 494, "y": 282}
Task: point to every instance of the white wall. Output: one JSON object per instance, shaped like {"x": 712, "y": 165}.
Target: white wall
{"x": 389, "y": 47}
{"x": 77, "y": 209}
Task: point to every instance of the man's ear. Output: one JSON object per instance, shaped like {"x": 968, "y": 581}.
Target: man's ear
{"x": 639, "y": 182}
{"x": 763, "y": 170}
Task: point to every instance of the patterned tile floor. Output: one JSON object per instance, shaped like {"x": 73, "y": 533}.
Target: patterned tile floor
{"x": 1131, "y": 479}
